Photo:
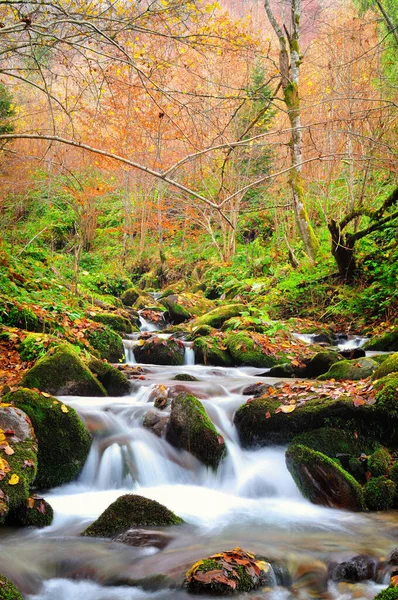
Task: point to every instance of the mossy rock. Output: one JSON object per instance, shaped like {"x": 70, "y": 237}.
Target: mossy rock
{"x": 157, "y": 351}
{"x": 244, "y": 324}
{"x": 113, "y": 380}
{"x": 217, "y": 316}
{"x": 184, "y": 377}
{"x": 391, "y": 593}
{"x": 201, "y": 331}
{"x": 285, "y": 370}
{"x": 20, "y": 468}
{"x": 389, "y": 365}
{"x": 210, "y": 350}
{"x": 182, "y": 307}
{"x": 321, "y": 363}
{"x": 322, "y": 481}
{"x": 178, "y": 313}
{"x": 35, "y": 345}
{"x": 379, "y": 462}
{"x": 115, "y": 322}
{"x": 107, "y": 343}
{"x": 130, "y": 511}
{"x": 190, "y": 428}
{"x": 36, "y": 512}
{"x": 130, "y": 296}
{"x": 386, "y": 342}
{"x": 356, "y": 369}
{"x": 23, "y": 318}
{"x": 63, "y": 373}
{"x": 8, "y": 591}
{"x": 245, "y": 351}
{"x": 379, "y": 493}
{"x": 63, "y": 439}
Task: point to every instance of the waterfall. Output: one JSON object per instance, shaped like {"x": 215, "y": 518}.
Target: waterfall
{"x": 189, "y": 356}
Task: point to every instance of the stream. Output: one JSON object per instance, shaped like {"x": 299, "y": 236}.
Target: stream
{"x": 251, "y": 502}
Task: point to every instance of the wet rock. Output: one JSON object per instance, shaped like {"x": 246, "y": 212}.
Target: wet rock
{"x": 130, "y": 296}
{"x": 393, "y": 560}
{"x": 210, "y": 350}
{"x": 390, "y": 365}
{"x": 217, "y": 316}
{"x": 246, "y": 351}
{"x": 351, "y": 369}
{"x": 62, "y": 372}
{"x": 8, "y": 591}
{"x": 386, "y": 342}
{"x": 143, "y": 538}
{"x": 157, "y": 351}
{"x": 310, "y": 579}
{"x": 107, "y": 343}
{"x": 114, "y": 381}
{"x": 130, "y": 511}
{"x": 351, "y": 354}
{"x": 379, "y": 462}
{"x": 160, "y": 396}
{"x": 185, "y": 377}
{"x": 359, "y": 568}
{"x": 190, "y": 428}
{"x": 323, "y": 481}
{"x": 35, "y": 512}
{"x": 156, "y": 422}
{"x": 114, "y": 321}
{"x": 14, "y": 420}
{"x": 182, "y": 307}
{"x": 256, "y": 389}
{"x": 321, "y": 363}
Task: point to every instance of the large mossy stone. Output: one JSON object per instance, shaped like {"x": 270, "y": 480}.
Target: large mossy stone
{"x": 390, "y": 365}
{"x": 35, "y": 512}
{"x": 217, "y": 316}
{"x": 114, "y": 321}
{"x": 130, "y": 296}
{"x": 63, "y": 373}
{"x": 130, "y": 511}
{"x": 210, "y": 350}
{"x": 8, "y": 591}
{"x": 190, "y": 428}
{"x": 182, "y": 307}
{"x": 113, "y": 380}
{"x": 107, "y": 343}
{"x": 157, "y": 351}
{"x": 63, "y": 439}
{"x": 380, "y": 493}
{"x": 321, "y": 480}
{"x": 356, "y": 369}
{"x": 245, "y": 351}
{"x": 321, "y": 363}
{"x": 386, "y": 342}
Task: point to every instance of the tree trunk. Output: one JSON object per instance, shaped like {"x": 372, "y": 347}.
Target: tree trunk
{"x": 343, "y": 252}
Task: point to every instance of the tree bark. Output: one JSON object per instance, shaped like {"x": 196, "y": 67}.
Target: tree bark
{"x": 343, "y": 252}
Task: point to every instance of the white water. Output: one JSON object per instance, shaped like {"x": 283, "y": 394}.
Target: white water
{"x": 350, "y": 343}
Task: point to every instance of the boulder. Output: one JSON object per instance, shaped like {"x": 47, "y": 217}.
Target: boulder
{"x": 157, "y": 351}
{"x": 359, "y": 568}
{"x": 245, "y": 350}
{"x": 217, "y": 316}
{"x": 8, "y": 591}
{"x": 35, "y": 345}
{"x": 63, "y": 439}
{"x": 182, "y": 307}
{"x": 130, "y": 511}
{"x": 184, "y": 377}
{"x": 114, "y": 321}
{"x": 130, "y": 296}
{"x": 351, "y": 369}
{"x": 107, "y": 343}
{"x": 190, "y": 428}
{"x": 321, "y": 480}
{"x": 256, "y": 389}
{"x": 284, "y": 371}
{"x": 35, "y": 512}
{"x": 211, "y": 351}
{"x": 390, "y": 365}
{"x": 379, "y": 462}
{"x": 62, "y": 372}
{"x": 386, "y": 342}
{"x": 113, "y": 380}
{"x": 143, "y": 538}
{"x": 380, "y": 493}
{"x": 156, "y": 422}
{"x": 321, "y": 363}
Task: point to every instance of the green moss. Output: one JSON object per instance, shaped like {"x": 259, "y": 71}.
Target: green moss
{"x": 321, "y": 363}
{"x": 201, "y": 330}
{"x": 245, "y": 351}
{"x": 356, "y": 369}
{"x": 160, "y": 352}
{"x": 8, "y": 591}
{"x": 40, "y": 514}
{"x": 108, "y": 344}
{"x": 113, "y": 380}
{"x": 184, "y": 377}
{"x": 24, "y": 318}
{"x": 177, "y": 312}
{"x": 115, "y": 322}
{"x": 190, "y": 428}
{"x": 333, "y": 442}
{"x": 62, "y": 372}
{"x": 217, "y": 316}
{"x": 391, "y": 593}
{"x": 387, "y": 342}
{"x": 210, "y": 350}
{"x": 379, "y": 462}
{"x": 35, "y": 345}
{"x": 390, "y": 365}
{"x": 130, "y": 296}
{"x": 379, "y": 493}
{"x": 321, "y": 480}
{"x": 64, "y": 441}
{"x": 129, "y": 511}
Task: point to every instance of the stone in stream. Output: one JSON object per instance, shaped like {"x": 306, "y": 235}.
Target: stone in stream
{"x": 158, "y": 351}
{"x": 62, "y": 372}
{"x": 130, "y": 296}
{"x": 114, "y": 381}
{"x": 144, "y": 538}
{"x": 155, "y": 422}
{"x": 321, "y": 363}
{"x": 211, "y": 350}
{"x": 190, "y": 428}
{"x": 130, "y": 511}
{"x": 380, "y": 493}
{"x": 36, "y": 512}
{"x": 217, "y": 316}
{"x": 182, "y": 307}
{"x": 115, "y": 321}
{"x": 386, "y": 342}
{"x": 350, "y": 369}
{"x": 8, "y": 591}
{"x": 107, "y": 343}
{"x": 63, "y": 439}
{"x": 390, "y": 365}
{"x": 359, "y": 568}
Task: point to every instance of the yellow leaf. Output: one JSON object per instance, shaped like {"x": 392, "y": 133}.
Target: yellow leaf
{"x": 64, "y": 408}
{"x": 288, "y": 409}
{"x": 8, "y": 450}
{"x": 30, "y": 502}
{"x": 14, "y": 479}
{"x": 46, "y": 395}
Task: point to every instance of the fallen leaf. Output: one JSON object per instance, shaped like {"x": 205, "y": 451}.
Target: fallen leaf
{"x": 30, "y": 502}
{"x": 8, "y": 450}
{"x": 14, "y": 479}
{"x": 64, "y": 408}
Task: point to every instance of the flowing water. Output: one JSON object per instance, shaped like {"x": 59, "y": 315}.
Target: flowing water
{"x": 251, "y": 501}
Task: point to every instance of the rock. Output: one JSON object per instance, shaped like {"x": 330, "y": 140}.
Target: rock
{"x": 22, "y": 317}
{"x": 321, "y": 363}
{"x": 8, "y": 591}
{"x": 36, "y": 512}
{"x": 182, "y": 307}
{"x": 130, "y": 511}
{"x": 156, "y": 422}
{"x": 390, "y": 365}
{"x": 379, "y": 462}
{"x": 157, "y": 351}
{"x": 130, "y": 296}
{"x": 246, "y": 351}
{"x": 351, "y": 369}
{"x": 229, "y": 572}
{"x": 256, "y": 389}
{"x": 143, "y": 538}
{"x": 354, "y": 353}
{"x": 201, "y": 331}
{"x": 114, "y": 321}
{"x": 63, "y": 439}
{"x": 390, "y": 593}
{"x": 217, "y": 316}
{"x": 35, "y": 345}
{"x": 211, "y": 351}
{"x": 113, "y": 380}
{"x": 62, "y": 372}
{"x": 13, "y": 419}
{"x": 393, "y": 560}
{"x": 323, "y": 481}
{"x": 184, "y": 377}
{"x": 160, "y": 396}
{"x": 386, "y": 342}
{"x": 284, "y": 371}
{"x": 190, "y": 428}
{"x": 107, "y": 343}
{"x": 359, "y": 568}
{"x": 379, "y": 493}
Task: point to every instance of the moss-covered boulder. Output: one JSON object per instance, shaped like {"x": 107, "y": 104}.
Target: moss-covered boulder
{"x": 283, "y": 371}
{"x": 8, "y": 591}
{"x": 354, "y": 370}
{"x": 210, "y": 350}
{"x": 22, "y": 317}
{"x": 379, "y": 462}
{"x": 217, "y": 316}
{"x": 35, "y": 345}
{"x": 130, "y": 296}
{"x": 182, "y": 307}
{"x": 379, "y": 493}
{"x": 201, "y": 331}
{"x": 62, "y": 372}
{"x": 63, "y": 439}
{"x": 130, "y": 511}
{"x": 35, "y": 512}
{"x": 114, "y": 321}
{"x": 157, "y": 351}
{"x": 321, "y": 362}
{"x": 390, "y": 593}
{"x": 386, "y": 342}
{"x": 245, "y": 349}
{"x": 389, "y": 365}
{"x": 113, "y": 380}
{"x": 107, "y": 343}
{"x": 184, "y": 377}
{"x": 230, "y": 572}
{"x": 321, "y": 480}
{"x": 190, "y": 428}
